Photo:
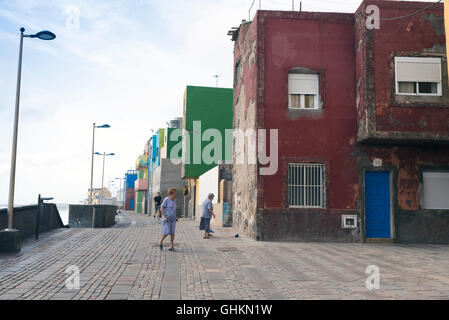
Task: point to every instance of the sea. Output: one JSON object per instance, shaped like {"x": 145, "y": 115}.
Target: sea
{"x": 63, "y": 209}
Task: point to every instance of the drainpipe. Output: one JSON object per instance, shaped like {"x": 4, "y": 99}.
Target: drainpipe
{"x": 148, "y": 178}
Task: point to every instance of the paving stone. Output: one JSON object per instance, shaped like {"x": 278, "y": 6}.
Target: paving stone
{"x": 10, "y": 296}
{"x": 124, "y": 262}
{"x": 117, "y": 296}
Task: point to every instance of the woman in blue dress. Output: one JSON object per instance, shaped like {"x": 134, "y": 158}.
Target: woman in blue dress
{"x": 168, "y": 210}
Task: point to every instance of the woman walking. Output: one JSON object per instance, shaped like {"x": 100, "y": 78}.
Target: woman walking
{"x": 207, "y": 212}
{"x": 168, "y": 210}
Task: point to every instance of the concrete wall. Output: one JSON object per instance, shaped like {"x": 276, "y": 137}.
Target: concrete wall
{"x": 208, "y": 183}
{"x": 25, "y": 219}
{"x": 422, "y": 226}
{"x": 244, "y": 176}
{"x": 166, "y": 176}
{"x": 82, "y": 216}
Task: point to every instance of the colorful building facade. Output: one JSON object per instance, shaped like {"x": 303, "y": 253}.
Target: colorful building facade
{"x": 141, "y": 184}
{"x": 130, "y": 194}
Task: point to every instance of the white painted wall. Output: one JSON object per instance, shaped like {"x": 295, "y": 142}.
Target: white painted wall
{"x": 208, "y": 183}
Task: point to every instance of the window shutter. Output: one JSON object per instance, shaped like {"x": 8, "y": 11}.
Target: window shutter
{"x": 303, "y": 84}
{"x": 418, "y": 69}
{"x": 436, "y": 190}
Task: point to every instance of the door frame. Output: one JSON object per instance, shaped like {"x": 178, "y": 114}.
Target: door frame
{"x": 393, "y": 192}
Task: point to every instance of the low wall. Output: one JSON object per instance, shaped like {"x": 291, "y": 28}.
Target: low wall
{"x": 425, "y": 226}
{"x": 304, "y": 225}
{"x": 25, "y": 219}
{"x": 81, "y": 216}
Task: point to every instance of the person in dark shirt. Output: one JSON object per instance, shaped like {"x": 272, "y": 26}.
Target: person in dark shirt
{"x": 157, "y": 205}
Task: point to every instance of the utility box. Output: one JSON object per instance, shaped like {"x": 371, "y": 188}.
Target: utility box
{"x": 9, "y": 241}
{"x": 349, "y": 221}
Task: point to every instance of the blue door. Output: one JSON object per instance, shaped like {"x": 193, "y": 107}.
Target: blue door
{"x": 377, "y": 204}
{"x": 131, "y": 204}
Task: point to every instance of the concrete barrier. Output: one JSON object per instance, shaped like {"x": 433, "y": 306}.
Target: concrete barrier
{"x": 25, "y": 219}
{"x": 99, "y": 216}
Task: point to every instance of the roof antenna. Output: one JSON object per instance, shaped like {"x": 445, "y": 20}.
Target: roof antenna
{"x": 217, "y": 76}
{"x": 300, "y": 6}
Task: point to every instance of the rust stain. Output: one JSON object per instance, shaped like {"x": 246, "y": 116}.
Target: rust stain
{"x": 356, "y": 195}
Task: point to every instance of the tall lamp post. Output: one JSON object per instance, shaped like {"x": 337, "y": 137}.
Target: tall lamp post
{"x": 102, "y": 176}
{"x": 43, "y": 35}
{"x": 120, "y": 192}
{"x": 91, "y": 195}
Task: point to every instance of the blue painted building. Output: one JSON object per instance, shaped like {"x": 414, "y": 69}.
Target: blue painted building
{"x": 130, "y": 195}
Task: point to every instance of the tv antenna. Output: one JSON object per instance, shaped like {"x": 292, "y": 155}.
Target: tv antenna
{"x": 217, "y": 76}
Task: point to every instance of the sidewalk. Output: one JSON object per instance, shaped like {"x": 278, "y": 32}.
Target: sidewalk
{"x": 125, "y": 262}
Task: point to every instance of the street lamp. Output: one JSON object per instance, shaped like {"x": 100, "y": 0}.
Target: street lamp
{"x": 111, "y": 187}
{"x": 120, "y": 192}
{"x": 102, "y": 176}
{"x": 105, "y": 126}
{"x": 43, "y": 35}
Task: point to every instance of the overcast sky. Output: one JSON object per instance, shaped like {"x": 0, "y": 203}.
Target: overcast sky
{"x": 127, "y": 64}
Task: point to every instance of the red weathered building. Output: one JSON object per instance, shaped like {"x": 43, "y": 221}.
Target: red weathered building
{"x": 363, "y": 124}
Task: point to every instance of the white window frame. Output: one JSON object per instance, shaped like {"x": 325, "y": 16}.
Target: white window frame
{"x": 421, "y": 61}
{"x": 320, "y": 197}
{"x": 303, "y": 94}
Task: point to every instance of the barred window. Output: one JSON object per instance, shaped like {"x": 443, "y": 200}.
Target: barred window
{"x": 306, "y": 185}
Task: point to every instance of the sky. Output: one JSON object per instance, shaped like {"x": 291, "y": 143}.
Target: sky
{"x": 121, "y": 62}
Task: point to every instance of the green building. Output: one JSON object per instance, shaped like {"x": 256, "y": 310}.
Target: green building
{"x": 166, "y": 144}
{"x": 204, "y": 109}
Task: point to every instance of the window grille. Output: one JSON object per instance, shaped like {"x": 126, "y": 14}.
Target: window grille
{"x": 306, "y": 185}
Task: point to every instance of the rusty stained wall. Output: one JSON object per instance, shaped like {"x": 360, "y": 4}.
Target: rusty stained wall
{"x": 325, "y": 136}
{"x": 406, "y": 164}
{"x": 244, "y": 176}
{"x": 382, "y": 114}
{"x": 336, "y": 43}
{"x": 363, "y": 66}
{"x": 322, "y": 136}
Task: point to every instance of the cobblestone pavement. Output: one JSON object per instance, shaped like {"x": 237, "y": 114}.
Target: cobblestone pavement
{"x": 124, "y": 262}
